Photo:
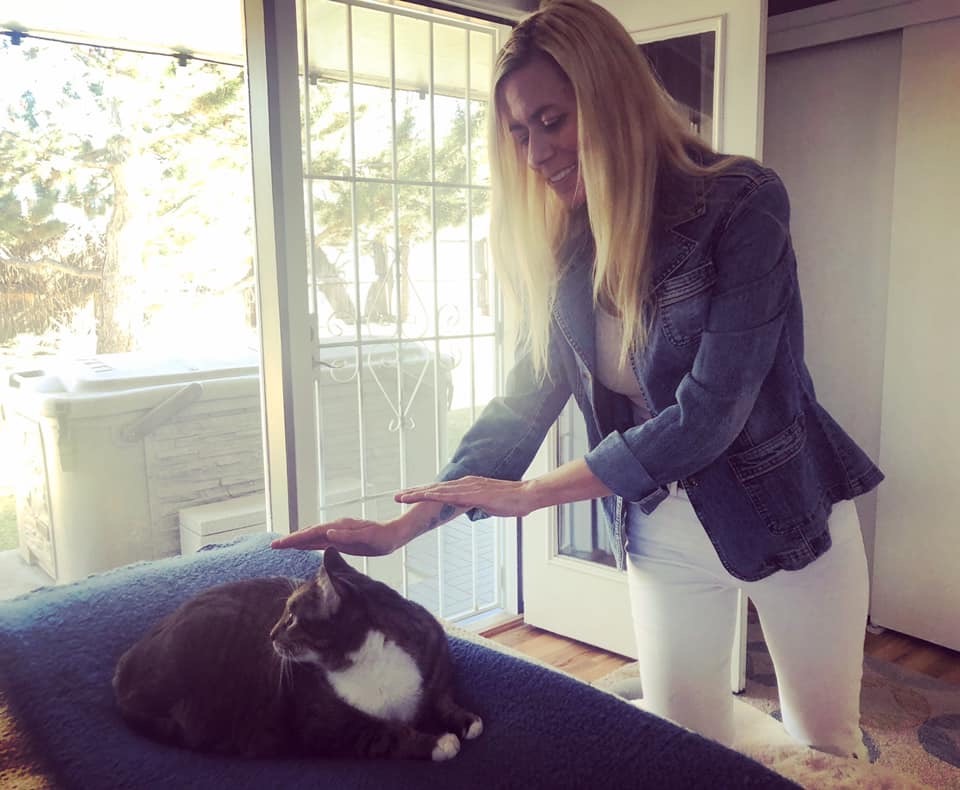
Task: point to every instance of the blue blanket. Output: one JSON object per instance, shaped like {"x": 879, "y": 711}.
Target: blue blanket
{"x": 58, "y": 648}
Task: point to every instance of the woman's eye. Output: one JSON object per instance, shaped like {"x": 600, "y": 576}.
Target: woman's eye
{"x": 551, "y": 121}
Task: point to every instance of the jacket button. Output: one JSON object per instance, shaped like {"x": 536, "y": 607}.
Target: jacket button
{"x": 690, "y": 483}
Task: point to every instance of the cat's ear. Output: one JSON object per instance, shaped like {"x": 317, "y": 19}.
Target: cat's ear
{"x": 332, "y": 576}
{"x": 326, "y": 592}
{"x": 334, "y": 563}
{"x": 327, "y": 595}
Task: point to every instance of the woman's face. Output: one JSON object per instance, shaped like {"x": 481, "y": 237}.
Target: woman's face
{"x": 541, "y": 110}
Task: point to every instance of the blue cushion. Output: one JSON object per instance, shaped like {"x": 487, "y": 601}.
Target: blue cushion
{"x": 58, "y": 648}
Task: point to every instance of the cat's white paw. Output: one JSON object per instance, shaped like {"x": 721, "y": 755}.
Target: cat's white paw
{"x": 448, "y": 746}
{"x": 475, "y": 730}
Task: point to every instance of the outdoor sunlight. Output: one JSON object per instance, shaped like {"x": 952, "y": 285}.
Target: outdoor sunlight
{"x": 129, "y": 325}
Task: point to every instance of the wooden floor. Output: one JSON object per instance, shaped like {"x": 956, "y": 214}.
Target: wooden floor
{"x": 589, "y": 663}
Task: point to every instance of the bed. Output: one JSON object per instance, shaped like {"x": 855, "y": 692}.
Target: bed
{"x": 59, "y": 726}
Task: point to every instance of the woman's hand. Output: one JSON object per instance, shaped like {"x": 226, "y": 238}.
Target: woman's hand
{"x": 495, "y": 497}
{"x": 437, "y": 503}
{"x": 349, "y": 535}
{"x": 571, "y": 482}
{"x": 370, "y": 538}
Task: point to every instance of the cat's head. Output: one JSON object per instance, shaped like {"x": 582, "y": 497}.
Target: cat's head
{"x": 324, "y": 618}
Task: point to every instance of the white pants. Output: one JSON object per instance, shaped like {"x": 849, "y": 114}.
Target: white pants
{"x": 684, "y": 610}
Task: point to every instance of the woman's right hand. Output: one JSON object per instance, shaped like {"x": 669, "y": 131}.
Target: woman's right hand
{"x": 348, "y": 535}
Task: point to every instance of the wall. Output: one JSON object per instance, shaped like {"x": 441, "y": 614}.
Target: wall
{"x": 866, "y": 134}
{"x": 830, "y": 131}
{"x": 917, "y": 581}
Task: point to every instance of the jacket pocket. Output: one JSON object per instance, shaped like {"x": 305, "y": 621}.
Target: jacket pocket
{"x": 779, "y": 477}
{"x": 683, "y": 302}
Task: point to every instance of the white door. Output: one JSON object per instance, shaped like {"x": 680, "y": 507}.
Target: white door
{"x": 387, "y": 341}
{"x": 569, "y": 585}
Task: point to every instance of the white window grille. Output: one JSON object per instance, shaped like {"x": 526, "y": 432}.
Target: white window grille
{"x": 405, "y": 320}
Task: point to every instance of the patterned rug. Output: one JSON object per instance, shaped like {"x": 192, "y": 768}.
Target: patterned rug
{"x": 910, "y": 721}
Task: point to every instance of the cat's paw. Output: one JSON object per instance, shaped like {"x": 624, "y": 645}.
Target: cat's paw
{"x": 447, "y": 747}
{"x": 474, "y": 730}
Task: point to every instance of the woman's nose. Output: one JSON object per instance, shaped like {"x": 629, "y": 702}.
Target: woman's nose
{"x": 539, "y": 150}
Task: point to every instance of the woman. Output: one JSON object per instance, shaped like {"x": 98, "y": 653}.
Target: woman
{"x": 659, "y": 288}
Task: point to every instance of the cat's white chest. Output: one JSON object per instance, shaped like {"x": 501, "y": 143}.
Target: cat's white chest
{"x": 382, "y": 680}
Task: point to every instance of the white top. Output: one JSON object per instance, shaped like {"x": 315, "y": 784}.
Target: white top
{"x": 618, "y": 379}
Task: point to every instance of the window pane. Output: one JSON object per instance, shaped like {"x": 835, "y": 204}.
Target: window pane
{"x": 338, "y": 385}
{"x": 450, "y": 103}
{"x": 126, "y": 267}
{"x": 482, "y": 51}
{"x": 372, "y": 93}
{"x": 328, "y": 129}
{"x": 327, "y": 102}
{"x": 400, "y": 266}
{"x": 412, "y": 66}
{"x": 332, "y": 258}
{"x": 376, "y": 237}
{"x": 456, "y": 356}
{"x": 415, "y": 259}
{"x": 685, "y": 66}
{"x": 454, "y": 277}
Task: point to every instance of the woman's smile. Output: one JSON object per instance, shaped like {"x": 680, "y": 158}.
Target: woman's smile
{"x": 541, "y": 109}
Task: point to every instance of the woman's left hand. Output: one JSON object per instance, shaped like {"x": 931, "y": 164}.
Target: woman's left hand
{"x": 496, "y": 497}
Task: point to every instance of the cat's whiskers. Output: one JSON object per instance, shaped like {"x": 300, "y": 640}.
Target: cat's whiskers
{"x": 286, "y": 673}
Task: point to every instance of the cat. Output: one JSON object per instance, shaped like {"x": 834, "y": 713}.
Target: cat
{"x": 337, "y": 666}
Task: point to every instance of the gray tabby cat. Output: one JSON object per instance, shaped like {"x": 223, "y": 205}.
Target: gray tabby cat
{"x": 339, "y": 666}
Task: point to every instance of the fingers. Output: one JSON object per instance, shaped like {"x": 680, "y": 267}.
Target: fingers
{"x": 318, "y": 537}
{"x": 350, "y": 536}
{"x": 427, "y": 494}
{"x": 313, "y": 538}
{"x": 352, "y": 545}
{"x": 454, "y": 492}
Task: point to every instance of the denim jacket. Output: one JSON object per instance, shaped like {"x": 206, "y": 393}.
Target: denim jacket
{"x": 734, "y": 414}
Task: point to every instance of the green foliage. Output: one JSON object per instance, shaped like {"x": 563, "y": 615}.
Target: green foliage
{"x": 99, "y": 142}
{"x": 374, "y": 204}
{"x": 118, "y": 143}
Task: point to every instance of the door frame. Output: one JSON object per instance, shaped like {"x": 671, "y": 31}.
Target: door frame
{"x": 286, "y": 347}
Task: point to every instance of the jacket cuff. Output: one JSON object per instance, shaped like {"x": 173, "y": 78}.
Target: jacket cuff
{"x": 452, "y": 471}
{"x": 622, "y": 473}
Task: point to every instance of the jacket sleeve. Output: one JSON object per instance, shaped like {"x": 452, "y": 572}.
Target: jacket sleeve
{"x": 505, "y": 438}
{"x": 756, "y": 282}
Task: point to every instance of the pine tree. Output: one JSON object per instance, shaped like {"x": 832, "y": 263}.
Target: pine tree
{"x": 100, "y": 182}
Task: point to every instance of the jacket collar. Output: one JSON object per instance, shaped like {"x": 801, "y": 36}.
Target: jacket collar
{"x": 681, "y": 199}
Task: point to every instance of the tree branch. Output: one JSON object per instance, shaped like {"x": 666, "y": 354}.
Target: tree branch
{"x": 48, "y": 264}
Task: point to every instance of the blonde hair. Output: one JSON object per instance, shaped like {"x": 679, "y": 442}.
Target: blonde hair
{"x": 628, "y": 129}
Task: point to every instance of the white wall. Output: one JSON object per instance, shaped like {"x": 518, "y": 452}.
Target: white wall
{"x": 830, "y": 131}
{"x": 865, "y": 133}
{"x": 917, "y": 563}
